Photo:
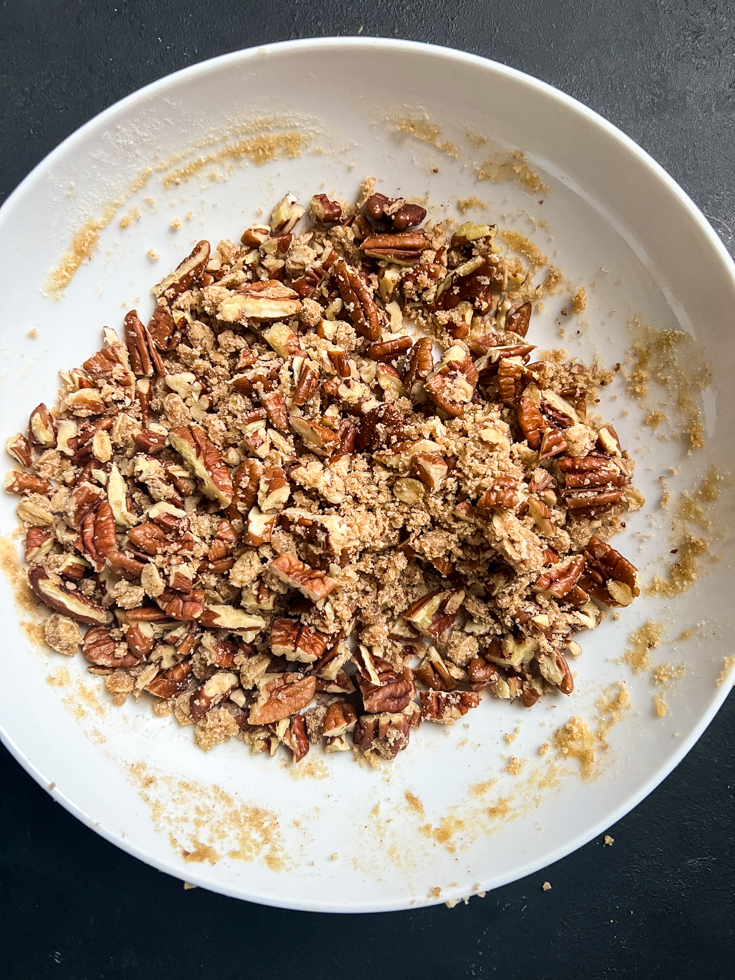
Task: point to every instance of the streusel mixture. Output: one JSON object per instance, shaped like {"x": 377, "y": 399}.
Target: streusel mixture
{"x": 326, "y": 493}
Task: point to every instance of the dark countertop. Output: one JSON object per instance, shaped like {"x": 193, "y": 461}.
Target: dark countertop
{"x": 659, "y": 902}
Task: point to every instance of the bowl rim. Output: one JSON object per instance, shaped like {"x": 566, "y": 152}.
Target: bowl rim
{"x": 158, "y": 88}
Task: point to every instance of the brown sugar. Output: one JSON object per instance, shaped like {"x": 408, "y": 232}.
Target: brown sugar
{"x": 640, "y": 642}
{"x": 505, "y": 166}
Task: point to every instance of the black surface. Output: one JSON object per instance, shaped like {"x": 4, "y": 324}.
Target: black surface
{"x": 659, "y": 902}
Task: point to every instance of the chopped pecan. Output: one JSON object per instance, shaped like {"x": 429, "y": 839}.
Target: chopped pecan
{"x": 275, "y": 405}
{"x": 430, "y": 468}
{"x": 451, "y": 385}
{"x": 165, "y": 332}
{"x": 102, "y": 650}
{"x": 591, "y": 471}
{"x": 316, "y": 437}
{"x": 519, "y": 320}
{"x": 609, "y": 577}
{"x": 98, "y": 534}
{"x": 266, "y": 300}
{"x": 149, "y": 441}
{"x": 148, "y": 538}
{"x": 315, "y": 585}
{"x": 397, "y": 213}
{"x": 347, "y": 435}
{"x": 281, "y": 698}
{"x": 434, "y": 672}
{"x": 109, "y": 366}
{"x": 211, "y": 692}
{"x": 382, "y": 427}
{"x": 531, "y": 421}
{"x": 434, "y": 612}
{"x": 139, "y": 638}
{"x": 245, "y": 488}
{"x": 50, "y": 589}
{"x": 20, "y": 483}
{"x": 42, "y": 427}
{"x": 392, "y": 694}
{"x": 38, "y": 544}
{"x": 446, "y": 707}
{"x": 513, "y": 378}
{"x": 357, "y": 298}
{"x": 185, "y": 274}
{"x": 295, "y": 738}
{"x": 384, "y": 734}
{"x": 401, "y": 248}
{"x": 274, "y": 489}
{"x": 144, "y": 358}
{"x": 20, "y": 449}
{"x": 609, "y": 441}
{"x": 295, "y": 642}
{"x": 389, "y": 350}
{"x": 591, "y": 503}
{"x": 503, "y": 493}
{"x": 285, "y": 215}
{"x": 553, "y": 443}
{"x": 560, "y": 579}
{"x": 475, "y": 283}
{"x": 341, "y": 718}
{"x": 324, "y": 211}
{"x": 223, "y": 543}
{"x": 182, "y": 606}
{"x": 420, "y": 362}
{"x": 307, "y": 384}
{"x": 203, "y": 460}
{"x": 482, "y": 675}
{"x": 172, "y": 681}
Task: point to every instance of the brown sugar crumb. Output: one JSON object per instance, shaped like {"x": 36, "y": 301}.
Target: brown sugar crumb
{"x": 201, "y": 853}
{"x": 152, "y": 255}
{"x": 545, "y": 746}
{"x": 515, "y": 766}
{"x": 176, "y": 224}
{"x": 427, "y": 132}
{"x": 575, "y": 741}
{"x": 666, "y": 673}
{"x": 659, "y": 702}
{"x": 188, "y": 886}
{"x": 414, "y": 802}
{"x": 669, "y": 359}
{"x": 505, "y": 166}
{"x": 608, "y": 841}
{"x": 579, "y": 301}
{"x": 640, "y": 642}
{"x": 465, "y": 204}
{"x": 726, "y": 670}
{"x": 278, "y": 514}
{"x": 546, "y": 886}
{"x": 654, "y": 419}
{"x": 257, "y": 149}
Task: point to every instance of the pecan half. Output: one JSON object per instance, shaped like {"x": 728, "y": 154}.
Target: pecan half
{"x": 481, "y": 674}
{"x": 358, "y": 300}
{"x": 519, "y": 320}
{"x": 609, "y": 577}
{"x": 389, "y": 350}
{"x": 397, "y": 213}
{"x": 392, "y": 693}
{"x": 380, "y": 428}
{"x": 182, "y": 606}
{"x": 50, "y": 590}
{"x": 144, "y": 358}
{"x": 98, "y": 534}
{"x": 446, "y": 707}
{"x": 307, "y": 384}
{"x": 165, "y": 332}
{"x": 245, "y": 488}
{"x": 420, "y": 362}
{"x": 402, "y": 248}
{"x": 503, "y": 493}
{"x": 266, "y": 300}
{"x": 204, "y": 461}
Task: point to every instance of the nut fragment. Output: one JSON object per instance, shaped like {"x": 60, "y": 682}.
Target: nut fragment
{"x": 267, "y": 300}
{"x": 447, "y": 707}
{"x": 203, "y": 460}
{"x": 185, "y": 274}
{"x": 315, "y": 585}
{"x": 281, "y": 698}
{"x": 49, "y": 589}
{"x": 358, "y": 300}
{"x": 609, "y": 576}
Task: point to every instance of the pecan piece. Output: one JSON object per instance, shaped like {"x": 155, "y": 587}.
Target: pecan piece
{"x": 295, "y": 642}
{"x": 42, "y": 427}
{"x": 183, "y": 607}
{"x": 431, "y": 468}
{"x": 392, "y": 694}
{"x": 203, "y": 460}
{"x": 100, "y": 649}
{"x": 531, "y": 421}
{"x": 275, "y": 406}
{"x": 98, "y": 534}
{"x": 380, "y": 428}
{"x": 185, "y": 274}
{"x": 281, "y": 698}
{"x": 307, "y": 384}
{"x": 149, "y": 441}
{"x": 148, "y": 538}
{"x": 560, "y": 579}
{"x": 315, "y": 585}
{"x": 164, "y": 331}
{"x": 385, "y": 734}
{"x": 434, "y": 612}
{"x": 358, "y": 300}
{"x": 402, "y": 248}
{"x": 171, "y": 682}
{"x": 591, "y": 471}
{"x": 503, "y": 493}
{"x": 266, "y": 300}
{"x": 451, "y": 385}
{"x": 389, "y": 350}
{"x": 519, "y": 320}
{"x": 245, "y": 491}
{"x": 296, "y": 739}
{"x": 341, "y": 718}
{"x": 50, "y": 590}
{"x": 512, "y": 380}
{"x": 19, "y": 448}
{"x": 446, "y": 707}
{"x": 609, "y": 577}
{"x": 553, "y": 443}
{"x": 397, "y": 212}
{"x": 420, "y": 362}
{"x": 323, "y": 211}
{"x": 144, "y": 358}
{"x": 215, "y": 689}
{"x": 38, "y": 544}
{"x": 20, "y": 483}
{"x": 316, "y": 437}
{"x": 482, "y": 675}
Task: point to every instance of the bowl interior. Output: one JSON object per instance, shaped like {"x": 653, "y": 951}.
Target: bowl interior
{"x": 201, "y": 155}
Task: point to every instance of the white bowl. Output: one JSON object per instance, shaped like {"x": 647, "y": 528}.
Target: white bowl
{"x": 353, "y": 840}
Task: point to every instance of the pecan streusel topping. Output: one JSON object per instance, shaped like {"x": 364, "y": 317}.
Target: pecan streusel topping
{"x": 326, "y": 493}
